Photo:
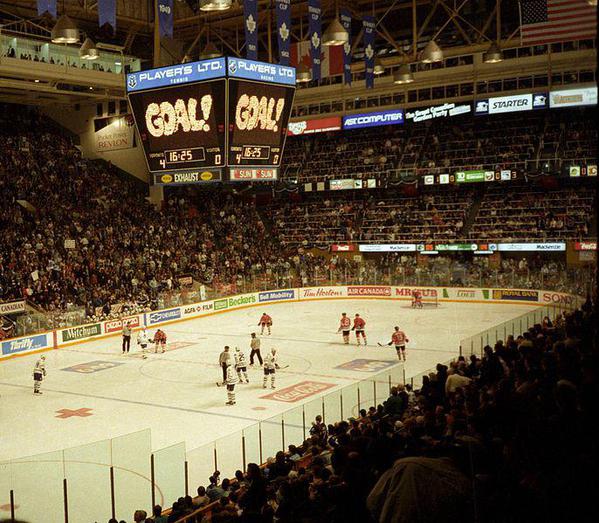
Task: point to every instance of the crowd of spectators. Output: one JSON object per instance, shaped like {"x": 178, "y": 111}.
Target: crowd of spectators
{"x": 79, "y": 236}
{"x": 444, "y": 145}
{"x": 508, "y": 436}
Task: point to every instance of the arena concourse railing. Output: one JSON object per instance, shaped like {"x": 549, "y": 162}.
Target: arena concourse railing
{"x": 115, "y": 477}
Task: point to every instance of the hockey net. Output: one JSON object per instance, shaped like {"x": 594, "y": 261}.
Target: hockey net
{"x": 427, "y": 302}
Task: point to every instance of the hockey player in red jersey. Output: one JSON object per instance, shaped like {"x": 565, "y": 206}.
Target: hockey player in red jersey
{"x": 265, "y": 321}
{"x": 417, "y": 299}
{"x": 399, "y": 339}
{"x": 359, "y": 325}
{"x": 159, "y": 341}
{"x": 344, "y": 327}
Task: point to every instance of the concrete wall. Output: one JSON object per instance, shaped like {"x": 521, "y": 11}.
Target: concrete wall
{"x": 81, "y": 122}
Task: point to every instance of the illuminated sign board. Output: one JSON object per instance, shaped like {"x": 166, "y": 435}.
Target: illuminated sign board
{"x": 573, "y": 97}
{"x": 360, "y": 121}
{"x": 510, "y": 104}
{"x": 437, "y": 111}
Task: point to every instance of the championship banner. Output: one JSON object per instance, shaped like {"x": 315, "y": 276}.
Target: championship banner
{"x": 165, "y": 17}
{"x": 369, "y": 27}
{"x": 284, "y": 30}
{"x": 315, "y": 29}
{"x": 46, "y": 6}
{"x": 107, "y": 13}
{"x": 250, "y": 16}
{"x": 346, "y": 23}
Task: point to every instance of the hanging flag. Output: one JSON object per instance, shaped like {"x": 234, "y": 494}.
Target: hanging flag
{"x": 107, "y": 13}
{"x": 284, "y": 29}
{"x": 331, "y": 60}
{"x": 165, "y": 17}
{"x": 346, "y": 23}
{"x": 546, "y": 21}
{"x": 369, "y": 27}
{"x": 315, "y": 29}
{"x": 46, "y": 6}
{"x": 250, "y": 16}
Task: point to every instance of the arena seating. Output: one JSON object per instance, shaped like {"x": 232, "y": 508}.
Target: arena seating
{"x": 486, "y": 438}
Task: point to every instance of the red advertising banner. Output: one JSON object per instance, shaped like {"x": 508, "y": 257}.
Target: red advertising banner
{"x": 321, "y": 125}
{"x": 253, "y": 173}
{"x": 117, "y": 325}
{"x": 343, "y": 248}
{"x": 369, "y": 291}
{"x": 585, "y": 246}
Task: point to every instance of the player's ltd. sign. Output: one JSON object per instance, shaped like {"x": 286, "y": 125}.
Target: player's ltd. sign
{"x": 322, "y": 292}
{"x": 370, "y": 290}
{"x": 276, "y": 295}
{"x": 160, "y": 316}
{"x": 298, "y": 392}
{"x": 117, "y": 325}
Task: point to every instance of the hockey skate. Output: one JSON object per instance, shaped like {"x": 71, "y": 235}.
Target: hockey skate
{"x": 230, "y": 403}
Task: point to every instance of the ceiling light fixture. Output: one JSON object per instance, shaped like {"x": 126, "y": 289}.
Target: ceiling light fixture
{"x": 432, "y": 53}
{"x": 403, "y": 75}
{"x": 215, "y": 5}
{"x": 65, "y": 31}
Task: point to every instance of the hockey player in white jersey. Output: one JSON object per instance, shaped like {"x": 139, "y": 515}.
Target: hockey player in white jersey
{"x": 270, "y": 365}
{"x": 231, "y": 381}
{"x": 143, "y": 340}
{"x": 39, "y": 373}
{"x": 241, "y": 366}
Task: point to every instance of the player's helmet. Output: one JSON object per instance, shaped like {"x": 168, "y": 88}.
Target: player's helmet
{"x": 273, "y": 350}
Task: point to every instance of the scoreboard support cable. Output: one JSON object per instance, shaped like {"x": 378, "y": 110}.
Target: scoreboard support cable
{"x": 199, "y": 121}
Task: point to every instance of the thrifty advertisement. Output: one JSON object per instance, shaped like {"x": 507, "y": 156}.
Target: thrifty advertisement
{"x": 24, "y": 344}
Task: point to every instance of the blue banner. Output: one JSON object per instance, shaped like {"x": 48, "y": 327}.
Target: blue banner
{"x": 284, "y": 30}
{"x": 315, "y": 30}
{"x": 260, "y": 71}
{"x": 160, "y": 316}
{"x": 165, "y": 17}
{"x": 369, "y": 27}
{"x": 107, "y": 13}
{"x": 359, "y": 121}
{"x": 176, "y": 74}
{"x": 346, "y": 23}
{"x": 44, "y": 6}
{"x": 24, "y": 344}
{"x": 250, "y": 16}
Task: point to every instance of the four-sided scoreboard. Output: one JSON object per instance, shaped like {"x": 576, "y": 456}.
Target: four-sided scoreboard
{"x": 219, "y": 119}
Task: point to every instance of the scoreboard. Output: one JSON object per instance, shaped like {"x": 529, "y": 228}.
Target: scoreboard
{"x": 203, "y": 117}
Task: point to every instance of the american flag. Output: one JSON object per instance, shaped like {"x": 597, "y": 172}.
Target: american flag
{"x": 546, "y": 21}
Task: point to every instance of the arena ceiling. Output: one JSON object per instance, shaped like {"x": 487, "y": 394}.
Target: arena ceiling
{"x": 458, "y": 22}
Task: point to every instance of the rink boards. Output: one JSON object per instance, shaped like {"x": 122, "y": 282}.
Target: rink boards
{"x": 68, "y": 336}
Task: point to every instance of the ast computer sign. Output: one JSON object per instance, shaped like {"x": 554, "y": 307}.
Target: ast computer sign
{"x": 359, "y": 121}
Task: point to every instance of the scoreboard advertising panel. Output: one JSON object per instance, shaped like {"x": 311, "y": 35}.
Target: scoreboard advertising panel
{"x": 196, "y": 119}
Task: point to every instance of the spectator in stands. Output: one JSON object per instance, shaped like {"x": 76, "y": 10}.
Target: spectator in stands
{"x": 157, "y": 516}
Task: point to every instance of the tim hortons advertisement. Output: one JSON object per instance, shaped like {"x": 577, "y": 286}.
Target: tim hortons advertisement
{"x": 298, "y": 392}
{"x": 113, "y": 133}
{"x": 117, "y": 325}
{"x": 323, "y": 292}
{"x": 369, "y": 291}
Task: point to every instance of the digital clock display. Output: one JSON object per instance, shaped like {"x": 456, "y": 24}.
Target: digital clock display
{"x": 258, "y": 117}
{"x": 182, "y": 126}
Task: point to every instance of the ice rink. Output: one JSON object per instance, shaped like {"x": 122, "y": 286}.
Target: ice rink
{"x": 174, "y": 394}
